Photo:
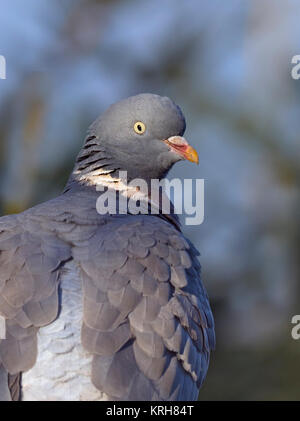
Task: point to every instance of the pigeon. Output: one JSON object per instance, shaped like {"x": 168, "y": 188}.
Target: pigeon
{"x": 106, "y": 306}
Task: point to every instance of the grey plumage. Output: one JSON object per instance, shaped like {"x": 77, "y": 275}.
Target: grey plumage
{"x": 146, "y": 319}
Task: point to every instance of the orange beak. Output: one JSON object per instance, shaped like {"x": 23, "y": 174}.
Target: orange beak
{"x": 180, "y": 146}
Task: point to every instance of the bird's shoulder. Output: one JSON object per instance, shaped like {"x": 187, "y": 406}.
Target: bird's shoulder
{"x": 31, "y": 258}
{"x": 147, "y": 318}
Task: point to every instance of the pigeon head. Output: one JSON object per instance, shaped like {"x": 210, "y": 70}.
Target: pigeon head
{"x": 142, "y": 135}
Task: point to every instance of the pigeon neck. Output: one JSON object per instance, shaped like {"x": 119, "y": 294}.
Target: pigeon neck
{"x": 92, "y": 164}
{"x": 95, "y": 172}
{"x": 106, "y": 184}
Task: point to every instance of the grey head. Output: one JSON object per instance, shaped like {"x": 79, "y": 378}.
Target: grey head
{"x": 141, "y": 135}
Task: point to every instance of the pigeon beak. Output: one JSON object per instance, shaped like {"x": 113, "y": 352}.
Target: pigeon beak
{"x": 180, "y": 146}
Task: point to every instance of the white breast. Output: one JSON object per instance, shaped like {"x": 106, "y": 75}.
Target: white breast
{"x": 62, "y": 370}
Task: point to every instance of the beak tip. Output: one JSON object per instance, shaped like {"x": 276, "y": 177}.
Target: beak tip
{"x": 192, "y": 155}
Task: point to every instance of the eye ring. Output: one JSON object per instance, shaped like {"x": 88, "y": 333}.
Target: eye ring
{"x": 139, "y": 127}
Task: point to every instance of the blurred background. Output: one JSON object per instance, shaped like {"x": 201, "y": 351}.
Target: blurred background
{"x": 228, "y": 65}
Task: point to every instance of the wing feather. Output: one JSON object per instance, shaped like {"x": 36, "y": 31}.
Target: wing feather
{"x": 30, "y": 258}
{"x": 147, "y": 318}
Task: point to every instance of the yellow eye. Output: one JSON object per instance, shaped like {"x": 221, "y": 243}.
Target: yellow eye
{"x": 139, "y": 127}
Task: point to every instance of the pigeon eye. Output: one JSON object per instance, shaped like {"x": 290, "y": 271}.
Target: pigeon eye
{"x": 139, "y": 127}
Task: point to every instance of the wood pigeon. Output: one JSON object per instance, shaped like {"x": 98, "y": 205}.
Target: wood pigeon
{"x": 106, "y": 306}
